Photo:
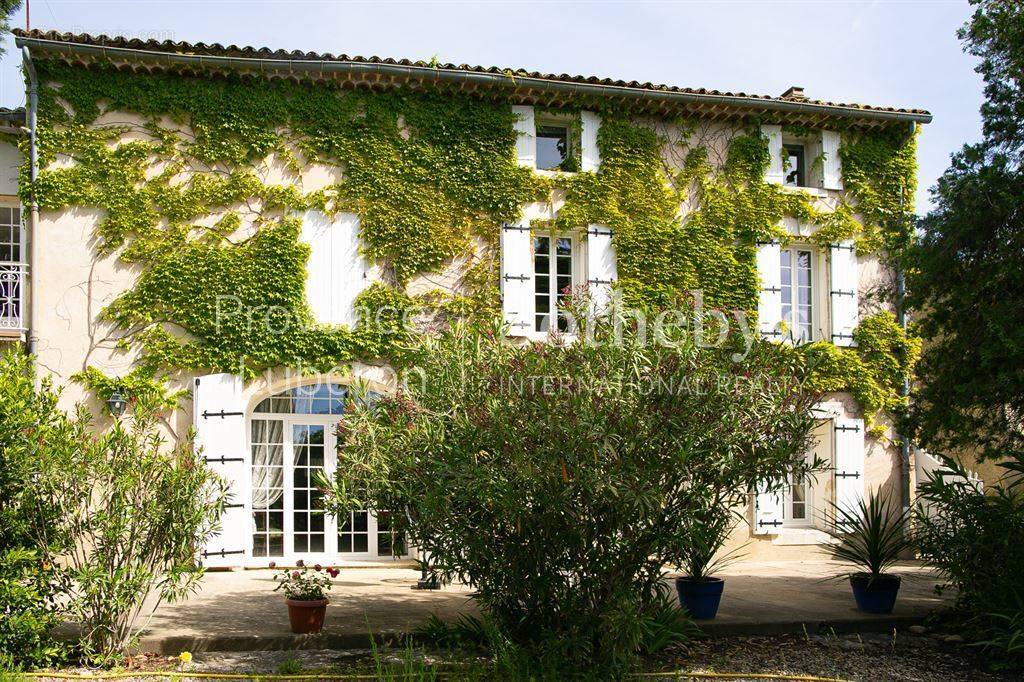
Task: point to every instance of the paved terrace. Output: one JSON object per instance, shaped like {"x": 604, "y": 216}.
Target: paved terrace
{"x": 238, "y": 611}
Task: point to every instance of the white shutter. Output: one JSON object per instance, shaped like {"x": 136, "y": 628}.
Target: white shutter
{"x": 526, "y": 140}
{"x": 336, "y": 271}
{"x": 601, "y": 270}
{"x": 813, "y": 163}
{"x": 517, "y": 304}
{"x": 769, "y": 305}
{"x": 590, "y": 154}
{"x": 768, "y": 505}
{"x": 775, "y": 173}
{"x": 219, "y": 420}
{"x": 831, "y": 167}
{"x": 849, "y": 462}
{"x": 843, "y": 292}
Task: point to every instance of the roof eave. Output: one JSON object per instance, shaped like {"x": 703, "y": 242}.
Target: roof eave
{"x": 511, "y": 83}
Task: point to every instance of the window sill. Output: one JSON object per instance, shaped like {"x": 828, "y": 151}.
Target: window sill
{"x": 544, "y": 173}
{"x": 802, "y": 537}
{"x": 812, "y": 191}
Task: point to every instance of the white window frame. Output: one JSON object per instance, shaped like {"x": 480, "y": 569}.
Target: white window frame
{"x": 577, "y": 260}
{"x": 793, "y": 251}
{"x": 13, "y": 277}
{"x": 331, "y": 554}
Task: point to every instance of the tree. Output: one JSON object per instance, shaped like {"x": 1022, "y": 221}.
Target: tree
{"x": 7, "y": 8}
{"x": 965, "y": 275}
{"x": 558, "y": 480}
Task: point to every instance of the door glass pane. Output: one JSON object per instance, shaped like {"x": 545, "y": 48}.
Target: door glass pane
{"x": 354, "y": 536}
{"x": 267, "y": 442}
{"x": 307, "y": 501}
{"x": 389, "y": 543}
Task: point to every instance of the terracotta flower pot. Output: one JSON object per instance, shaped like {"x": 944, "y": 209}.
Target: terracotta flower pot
{"x": 306, "y": 617}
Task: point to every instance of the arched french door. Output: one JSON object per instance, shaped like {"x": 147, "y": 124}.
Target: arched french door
{"x": 291, "y": 439}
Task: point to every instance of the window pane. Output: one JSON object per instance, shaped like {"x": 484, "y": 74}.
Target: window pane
{"x": 552, "y": 144}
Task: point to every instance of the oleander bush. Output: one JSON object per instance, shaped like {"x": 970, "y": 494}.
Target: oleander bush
{"x": 975, "y": 538}
{"x": 557, "y": 479}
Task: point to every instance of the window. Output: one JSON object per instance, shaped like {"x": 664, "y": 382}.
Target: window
{"x": 267, "y": 438}
{"x": 552, "y": 280}
{"x": 798, "y": 507}
{"x": 553, "y": 147}
{"x": 12, "y": 270}
{"x": 796, "y": 171}
{"x": 797, "y": 309}
{"x": 10, "y": 235}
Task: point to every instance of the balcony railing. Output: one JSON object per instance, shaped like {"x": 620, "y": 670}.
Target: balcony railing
{"x": 12, "y": 296}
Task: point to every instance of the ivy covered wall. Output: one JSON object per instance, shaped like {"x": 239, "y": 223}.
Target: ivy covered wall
{"x": 183, "y": 199}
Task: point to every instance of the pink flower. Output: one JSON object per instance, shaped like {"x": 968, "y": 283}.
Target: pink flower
{"x": 295, "y": 574}
{"x": 300, "y": 563}
{"x": 318, "y": 567}
{"x": 334, "y": 572}
{"x": 273, "y": 564}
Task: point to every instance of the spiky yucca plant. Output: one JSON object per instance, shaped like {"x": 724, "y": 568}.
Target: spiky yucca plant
{"x": 873, "y": 535}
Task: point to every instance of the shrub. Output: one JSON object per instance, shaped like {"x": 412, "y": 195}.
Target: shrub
{"x": 133, "y": 514}
{"x": 557, "y": 480}
{"x": 28, "y": 606}
{"x": 976, "y": 541}
{"x": 873, "y": 535}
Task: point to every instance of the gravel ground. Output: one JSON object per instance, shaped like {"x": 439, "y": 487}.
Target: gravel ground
{"x": 905, "y": 657}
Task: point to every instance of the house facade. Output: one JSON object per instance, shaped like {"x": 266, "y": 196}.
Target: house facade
{"x": 221, "y": 222}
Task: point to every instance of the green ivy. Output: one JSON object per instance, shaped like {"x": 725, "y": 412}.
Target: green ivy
{"x": 432, "y": 176}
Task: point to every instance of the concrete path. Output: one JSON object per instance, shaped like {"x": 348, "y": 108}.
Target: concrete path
{"x": 238, "y": 610}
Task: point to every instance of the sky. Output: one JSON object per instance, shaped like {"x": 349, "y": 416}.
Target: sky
{"x": 900, "y": 53}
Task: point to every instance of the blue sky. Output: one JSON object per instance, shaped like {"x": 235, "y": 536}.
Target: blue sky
{"x": 884, "y": 52}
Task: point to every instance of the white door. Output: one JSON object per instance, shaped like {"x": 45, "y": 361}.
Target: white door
{"x": 291, "y": 439}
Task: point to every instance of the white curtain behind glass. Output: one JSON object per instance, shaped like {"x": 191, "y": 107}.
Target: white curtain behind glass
{"x": 267, "y": 462}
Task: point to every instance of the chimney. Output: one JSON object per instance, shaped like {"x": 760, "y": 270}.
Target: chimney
{"x": 794, "y": 92}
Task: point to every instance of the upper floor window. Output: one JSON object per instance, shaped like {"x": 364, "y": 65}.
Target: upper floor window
{"x": 796, "y": 165}
{"x": 10, "y": 235}
{"x": 552, "y": 146}
{"x": 797, "y": 295}
{"x": 553, "y": 280}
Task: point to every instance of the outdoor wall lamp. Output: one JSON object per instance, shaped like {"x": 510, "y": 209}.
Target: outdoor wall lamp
{"x": 116, "y": 403}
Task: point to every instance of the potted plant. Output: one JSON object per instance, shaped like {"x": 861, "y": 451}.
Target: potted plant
{"x": 305, "y": 590}
{"x": 700, "y": 593}
{"x": 873, "y": 535}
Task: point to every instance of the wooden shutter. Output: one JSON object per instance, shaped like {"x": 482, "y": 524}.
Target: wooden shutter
{"x": 775, "y": 174}
{"x": 601, "y": 270}
{"x": 526, "y": 140}
{"x": 769, "y": 306}
{"x": 843, "y": 292}
{"x": 768, "y": 508}
{"x": 849, "y": 462}
{"x": 336, "y": 271}
{"x": 219, "y": 420}
{"x": 831, "y": 167}
{"x": 590, "y": 154}
{"x": 517, "y": 303}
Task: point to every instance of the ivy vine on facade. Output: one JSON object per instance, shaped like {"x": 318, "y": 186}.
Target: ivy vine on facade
{"x": 223, "y": 212}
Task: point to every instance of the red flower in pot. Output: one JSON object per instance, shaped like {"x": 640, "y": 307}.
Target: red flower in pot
{"x": 305, "y": 591}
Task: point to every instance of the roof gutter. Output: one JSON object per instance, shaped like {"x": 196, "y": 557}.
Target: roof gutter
{"x": 428, "y": 73}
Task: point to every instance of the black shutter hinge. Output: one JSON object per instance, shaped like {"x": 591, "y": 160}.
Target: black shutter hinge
{"x": 224, "y": 552}
{"x": 222, "y": 414}
{"x": 516, "y": 228}
{"x": 222, "y": 459}
{"x": 843, "y": 474}
{"x": 843, "y": 293}
{"x": 600, "y": 233}
{"x": 772, "y": 289}
{"x": 601, "y": 281}
{"x": 769, "y": 523}
{"x": 521, "y": 278}
{"x": 847, "y": 428}
{"x": 836, "y": 247}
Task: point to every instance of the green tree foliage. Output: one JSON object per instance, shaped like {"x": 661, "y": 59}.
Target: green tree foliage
{"x": 976, "y": 540}
{"x": 965, "y": 279}
{"x": 28, "y": 587}
{"x": 7, "y": 8}
{"x": 556, "y": 480}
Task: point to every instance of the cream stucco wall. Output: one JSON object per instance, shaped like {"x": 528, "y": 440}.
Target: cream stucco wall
{"x": 76, "y": 283}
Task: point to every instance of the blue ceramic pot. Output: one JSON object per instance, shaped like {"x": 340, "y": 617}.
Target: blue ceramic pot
{"x": 876, "y": 595}
{"x": 700, "y": 598}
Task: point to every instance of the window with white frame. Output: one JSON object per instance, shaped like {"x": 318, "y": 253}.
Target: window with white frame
{"x": 553, "y": 280}
{"x": 12, "y": 267}
{"x": 796, "y": 282}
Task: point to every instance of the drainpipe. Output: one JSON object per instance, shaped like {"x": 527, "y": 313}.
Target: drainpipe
{"x": 901, "y": 318}
{"x": 33, "y": 220}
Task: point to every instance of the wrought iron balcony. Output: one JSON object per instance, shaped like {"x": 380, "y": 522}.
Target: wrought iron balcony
{"x": 12, "y": 296}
